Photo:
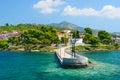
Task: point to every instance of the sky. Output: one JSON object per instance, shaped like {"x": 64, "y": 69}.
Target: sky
{"x": 97, "y": 14}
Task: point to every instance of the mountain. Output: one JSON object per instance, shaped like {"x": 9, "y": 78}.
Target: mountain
{"x": 67, "y": 25}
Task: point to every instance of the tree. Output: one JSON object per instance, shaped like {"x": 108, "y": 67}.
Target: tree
{"x": 105, "y": 37}
{"x": 33, "y": 41}
{"x": 88, "y": 30}
{"x": 6, "y": 24}
{"x": 28, "y": 47}
{"x": 106, "y": 41}
{"x": 87, "y": 38}
{"x": 64, "y": 40}
{"x": 52, "y": 29}
{"x": 13, "y": 40}
{"x": 46, "y": 42}
{"x": 116, "y": 45}
{"x": 4, "y": 44}
{"x": 33, "y": 34}
{"x": 94, "y": 40}
{"x": 75, "y": 33}
{"x": 44, "y": 36}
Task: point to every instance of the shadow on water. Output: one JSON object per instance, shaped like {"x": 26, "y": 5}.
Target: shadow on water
{"x": 73, "y": 67}
{"x": 57, "y": 61}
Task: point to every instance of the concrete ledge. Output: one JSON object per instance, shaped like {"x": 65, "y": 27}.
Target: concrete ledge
{"x": 79, "y": 61}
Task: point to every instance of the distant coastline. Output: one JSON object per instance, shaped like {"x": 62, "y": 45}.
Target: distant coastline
{"x": 46, "y": 38}
{"x": 52, "y": 49}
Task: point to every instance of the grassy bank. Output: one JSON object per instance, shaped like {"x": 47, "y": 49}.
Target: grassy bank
{"x": 96, "y": 48}
{"x": 30, "y": 49}
{"x": 39, "y": 48}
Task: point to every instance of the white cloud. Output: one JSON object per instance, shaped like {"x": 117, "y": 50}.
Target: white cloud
{"x": 107, "y": 11}
{"x": 48, "y": 6}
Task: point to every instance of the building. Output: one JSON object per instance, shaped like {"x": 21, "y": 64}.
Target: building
{"x": 78, "y": 41}
{"x": 5, "y": 35}
{"x": 59, "y": 35}
{"x": 65, "y": 33}
{"x": 116, "y": 40}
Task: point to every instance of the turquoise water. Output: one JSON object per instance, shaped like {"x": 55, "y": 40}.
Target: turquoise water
{"x": 45, "y": 66}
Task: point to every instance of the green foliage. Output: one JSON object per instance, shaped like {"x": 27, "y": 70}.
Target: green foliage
{"x": 106, "y": 41}
{"x": 87, "y": 48}
{"x": 75, "y": 34}
{"x": 106, "y": 47}
{"x": 20, "y": 27}
{"x": 88, "y": 30}
{"x": 94, "y": 48}
{"x": 105, "y": 37}
{"x": 32, "y": 35}
{"x": 87, "y": 38}
{"x": 28, "y": 47}
{"x": 43, "y": 36}
{"x": 94, "y": 40}
{"x": 33, "y": 40}
{"x": 117, "y": 45}
{"x": 79, "y": 47}
{"x": 46, "y": 42}
{"x": 109, "y": 47}
{"x": 6, "y": 24}
{"x": 64, "y": 40}
{"x": 4, "y": 44}
{"x": 13, "y": 40}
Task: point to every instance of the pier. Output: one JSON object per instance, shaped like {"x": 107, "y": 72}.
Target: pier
{"x": 67, "y": 59}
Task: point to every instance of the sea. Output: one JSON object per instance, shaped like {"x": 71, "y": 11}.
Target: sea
{"x": 45, "y": 66}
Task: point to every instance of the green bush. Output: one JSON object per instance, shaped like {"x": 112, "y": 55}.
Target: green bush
{"x": 87, "y": 48}
{"x": 4, "y": 44}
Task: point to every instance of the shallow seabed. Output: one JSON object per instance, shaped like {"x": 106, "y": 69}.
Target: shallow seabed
{"x": 45, "y": 66}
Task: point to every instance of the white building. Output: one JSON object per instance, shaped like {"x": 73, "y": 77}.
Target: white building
{"x": 79, "y": 42}
{"x": 116, "y": 40}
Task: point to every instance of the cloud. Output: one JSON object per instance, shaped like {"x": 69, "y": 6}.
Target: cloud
{"x": 107, "y": 11}
{"x": 48, "y": 6}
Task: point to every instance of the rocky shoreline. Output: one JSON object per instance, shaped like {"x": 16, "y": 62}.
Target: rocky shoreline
{"x": 53, "y": 51}
{"x": 100, "y": 50}
{"x": 23, "y": 50}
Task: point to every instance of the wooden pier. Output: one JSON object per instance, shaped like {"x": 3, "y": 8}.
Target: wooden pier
{"x": 67, "y": 60}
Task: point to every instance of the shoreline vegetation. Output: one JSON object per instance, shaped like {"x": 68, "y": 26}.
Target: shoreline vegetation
{"x": 22, "y": 49}
{"x": 45, "y": 38}
{"x": 96, "y": 48}
{"x": 52, "y": 49}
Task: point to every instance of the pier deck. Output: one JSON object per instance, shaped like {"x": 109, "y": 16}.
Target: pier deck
{"x": 61, "y": 52}
{"x": 66, "y": 58}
